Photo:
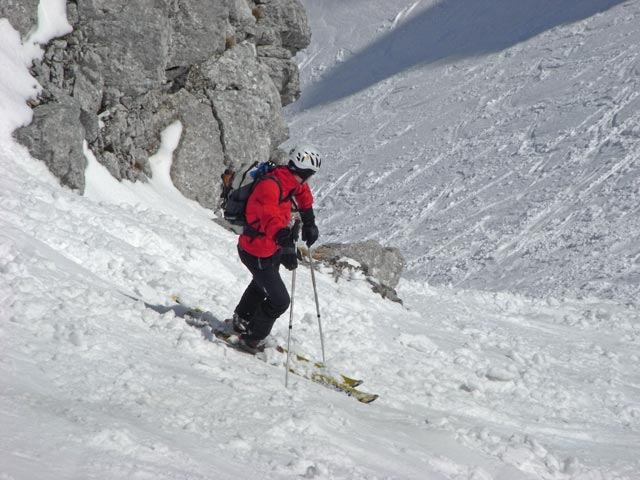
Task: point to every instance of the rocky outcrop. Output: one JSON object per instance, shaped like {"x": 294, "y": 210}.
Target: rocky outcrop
{"x": 129, "y": 69}
{"x": 382, "y": 266}
{"x": 281, "y": 29}
{"x": 61, "y": 149}
{"x": 244, "y": 101}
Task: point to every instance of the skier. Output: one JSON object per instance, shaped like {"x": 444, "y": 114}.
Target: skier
{"x": 270, "y": 242}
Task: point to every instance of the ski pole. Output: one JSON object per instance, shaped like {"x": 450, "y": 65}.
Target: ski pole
{"x": 315, "y": 294}
{"x": 293, "y": 291}
{"x": 295, "y": 230}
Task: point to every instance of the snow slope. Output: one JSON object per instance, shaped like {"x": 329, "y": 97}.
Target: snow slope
{"x": 494, "y": 142}
{"x": 96, "y": 382}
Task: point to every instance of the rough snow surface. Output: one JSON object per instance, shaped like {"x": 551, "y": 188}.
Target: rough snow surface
{"x": 95, "y": 382}
{"x": 494, "y": 142}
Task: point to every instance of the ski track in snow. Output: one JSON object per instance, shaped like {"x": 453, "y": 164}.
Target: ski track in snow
{"x": 96, "y": 383}
{"x": 404, "y": 155}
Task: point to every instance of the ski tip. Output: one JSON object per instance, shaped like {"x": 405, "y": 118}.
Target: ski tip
{"x": 352, "y": 382}
{"x": 367, "y": 398}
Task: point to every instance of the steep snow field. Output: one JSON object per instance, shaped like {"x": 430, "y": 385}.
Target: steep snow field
{"x": 495, "y": 142}
{"x": 96, "y": 383}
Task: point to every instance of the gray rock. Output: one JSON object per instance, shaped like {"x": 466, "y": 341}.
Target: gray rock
{"x": 50, "y": 71}
{"x": 127, "y": 136}
{"x": 285, "y": 76}
{"x": 199, "y": 158}
{"x": 246, "y": 104}
{"x": 200, "y": 29}
{"x": 22, "y": 14}
{"x": 131, "y": 68}
{"x": 244, "y": 124}
{"x": 282, "y": 23}
{"x": 130, "y": 38}
{"x": 273, "y": 51}
{"x": 88, "y": 88}
{"x": 381, "y": 265}
{"x": 55, "y": 136}
{"x": 91, "y": 125}
{"x": 240, "y": 15}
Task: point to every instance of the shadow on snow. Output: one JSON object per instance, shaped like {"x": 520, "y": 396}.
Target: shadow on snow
{"x": 448, "y": 30}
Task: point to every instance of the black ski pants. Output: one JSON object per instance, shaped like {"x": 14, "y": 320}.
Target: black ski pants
{"x": 266, "y": 297}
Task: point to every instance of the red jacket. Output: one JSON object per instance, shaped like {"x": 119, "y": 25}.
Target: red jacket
{"x": 265, "y": 212}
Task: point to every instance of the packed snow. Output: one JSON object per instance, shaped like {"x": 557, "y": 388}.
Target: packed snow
{"x": 101, "y": 378}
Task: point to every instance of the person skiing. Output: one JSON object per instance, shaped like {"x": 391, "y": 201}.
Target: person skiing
{"x": 269, "y": 242}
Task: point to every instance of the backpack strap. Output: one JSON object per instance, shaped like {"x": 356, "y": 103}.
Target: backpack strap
{"x": 290, "y": 195}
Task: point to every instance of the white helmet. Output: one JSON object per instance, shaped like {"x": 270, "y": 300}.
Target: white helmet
{"x": 304, "y": 160}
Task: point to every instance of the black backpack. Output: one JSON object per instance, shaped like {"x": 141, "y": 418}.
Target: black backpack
{"x": 237, "y": 187}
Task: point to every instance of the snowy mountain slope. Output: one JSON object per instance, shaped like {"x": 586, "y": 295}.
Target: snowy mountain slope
{"x": 425, "y": 32}
{"x": 95, "y": 383}
{"x": 517, "y": 169}
{"x": 123, "y": 391}
{"x": 472, "y": 385}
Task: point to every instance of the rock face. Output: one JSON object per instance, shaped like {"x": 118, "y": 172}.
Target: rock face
{"x": 129, "y": 69}
{"x": 59, "y": 148}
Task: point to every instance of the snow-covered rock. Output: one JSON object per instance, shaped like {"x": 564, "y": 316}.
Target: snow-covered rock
{"x": 127, "y": 66}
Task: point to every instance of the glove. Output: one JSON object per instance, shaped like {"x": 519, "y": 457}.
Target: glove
{"x": 288, "y": 258}
{"x": 310, "y": 234}
{"x": 310, "y": 231}
{"x": 284, "y": 237}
